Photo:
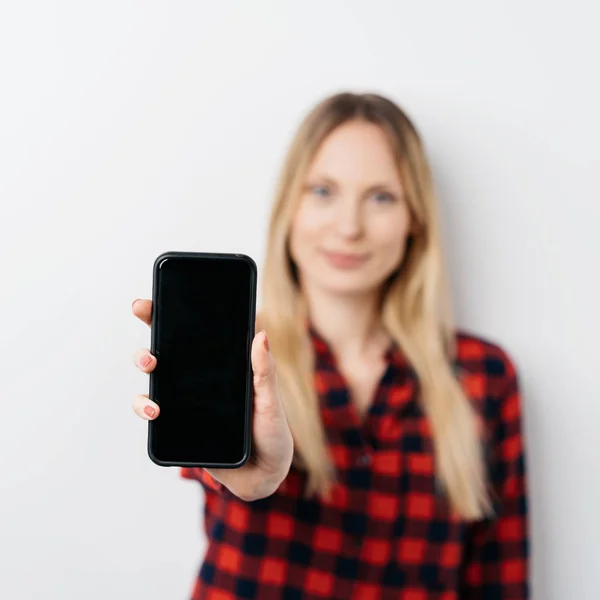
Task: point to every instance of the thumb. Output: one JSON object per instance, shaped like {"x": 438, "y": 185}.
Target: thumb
{"x": 266, "y": 400}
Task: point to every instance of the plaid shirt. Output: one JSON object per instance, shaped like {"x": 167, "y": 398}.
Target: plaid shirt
{"x": 387, "y": 532}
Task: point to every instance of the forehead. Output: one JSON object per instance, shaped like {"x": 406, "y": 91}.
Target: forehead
{"x": 356, "y": 152}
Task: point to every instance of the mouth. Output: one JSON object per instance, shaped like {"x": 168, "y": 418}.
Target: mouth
{"x": 345, "y": 260}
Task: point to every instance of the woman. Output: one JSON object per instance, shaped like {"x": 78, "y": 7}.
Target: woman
{"x": 389, "y": 457}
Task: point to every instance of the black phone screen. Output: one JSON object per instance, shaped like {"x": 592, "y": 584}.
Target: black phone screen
{"x": 203, "y": 325}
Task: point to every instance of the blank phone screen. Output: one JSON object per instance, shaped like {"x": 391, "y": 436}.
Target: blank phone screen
{"x": 203, "y": 327}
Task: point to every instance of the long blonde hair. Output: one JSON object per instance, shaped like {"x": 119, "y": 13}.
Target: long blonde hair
{"x": 416, "y": 310}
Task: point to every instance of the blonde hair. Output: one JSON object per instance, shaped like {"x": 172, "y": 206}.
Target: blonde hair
{"x": 415, "y": 308}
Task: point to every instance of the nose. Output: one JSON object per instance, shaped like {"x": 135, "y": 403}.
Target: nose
{"x": 349, "y": 219}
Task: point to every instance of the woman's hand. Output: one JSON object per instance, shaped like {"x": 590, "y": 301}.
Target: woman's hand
{"x": 271, "y": 436}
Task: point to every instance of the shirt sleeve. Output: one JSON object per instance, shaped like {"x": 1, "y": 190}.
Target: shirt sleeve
{"x": 497, "y": 552}
{"x": 199, "y": 474}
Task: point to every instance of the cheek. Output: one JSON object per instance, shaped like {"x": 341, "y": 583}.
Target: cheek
{"x": 391, "y": 236}
{"x": 307, "y": 225}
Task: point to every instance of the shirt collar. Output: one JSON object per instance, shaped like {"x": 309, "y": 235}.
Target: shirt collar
{"x": 324, "y": 355}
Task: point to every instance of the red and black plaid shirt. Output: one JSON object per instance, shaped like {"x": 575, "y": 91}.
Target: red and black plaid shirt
{"x": 387, "y": 532}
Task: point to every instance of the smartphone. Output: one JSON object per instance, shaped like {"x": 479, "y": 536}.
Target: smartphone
{"x": 203, "y": 315}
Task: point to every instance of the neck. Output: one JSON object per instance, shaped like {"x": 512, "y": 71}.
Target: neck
{"x": 351, "y": 325}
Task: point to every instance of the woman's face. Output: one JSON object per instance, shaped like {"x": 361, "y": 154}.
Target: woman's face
{"x": 350, "y": 230}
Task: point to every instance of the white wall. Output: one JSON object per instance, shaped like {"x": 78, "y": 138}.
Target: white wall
{"x": 132, "y": 127}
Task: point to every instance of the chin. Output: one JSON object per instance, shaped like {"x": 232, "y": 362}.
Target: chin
{"x": 348, "y": 284}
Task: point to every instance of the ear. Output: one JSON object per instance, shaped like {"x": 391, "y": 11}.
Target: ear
{"x": 415, "y": 227}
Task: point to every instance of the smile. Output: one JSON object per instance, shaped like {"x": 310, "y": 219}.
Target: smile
{"x": 343, "y": 260}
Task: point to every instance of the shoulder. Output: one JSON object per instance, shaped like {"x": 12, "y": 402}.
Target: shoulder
{"x": 488, "y": 372}
{"x": 486, "y": 357}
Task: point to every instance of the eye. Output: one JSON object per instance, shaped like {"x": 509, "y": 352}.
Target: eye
{"x": 383, "y": 197}
{"x": 320, "y": 190}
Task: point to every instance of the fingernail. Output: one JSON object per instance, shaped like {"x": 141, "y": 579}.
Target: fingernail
{"x": 150, "y": 411}
{"x": 266, "y": 341}
{"x": 146, "y": 360}
{"x": 133, "y": 303}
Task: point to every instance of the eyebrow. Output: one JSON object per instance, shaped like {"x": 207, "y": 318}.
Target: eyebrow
{"x": 322, "y": 178}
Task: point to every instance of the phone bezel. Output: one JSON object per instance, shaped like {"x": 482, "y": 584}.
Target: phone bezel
{"x": 250, "y": 336}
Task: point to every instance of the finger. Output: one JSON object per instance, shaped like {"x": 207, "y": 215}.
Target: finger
{"x": 144, "y": 361}
{"x": 142, "y": 309}
{"x": 144, "y": 407}
{"x": 266, "y": 400}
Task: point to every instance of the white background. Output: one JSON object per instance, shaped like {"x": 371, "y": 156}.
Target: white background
{"x": 128, "y": 128}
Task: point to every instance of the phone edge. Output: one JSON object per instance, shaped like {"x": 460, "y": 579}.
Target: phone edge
{"x": 249, "y": 378}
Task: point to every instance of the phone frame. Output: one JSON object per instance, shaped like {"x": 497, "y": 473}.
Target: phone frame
{"x": 250, "y": 336}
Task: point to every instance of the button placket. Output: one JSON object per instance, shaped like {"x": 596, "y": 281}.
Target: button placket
{"x": 364, "y": 459}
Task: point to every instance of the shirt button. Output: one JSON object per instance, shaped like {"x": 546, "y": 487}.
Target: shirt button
{"x": 363, "y": 460}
